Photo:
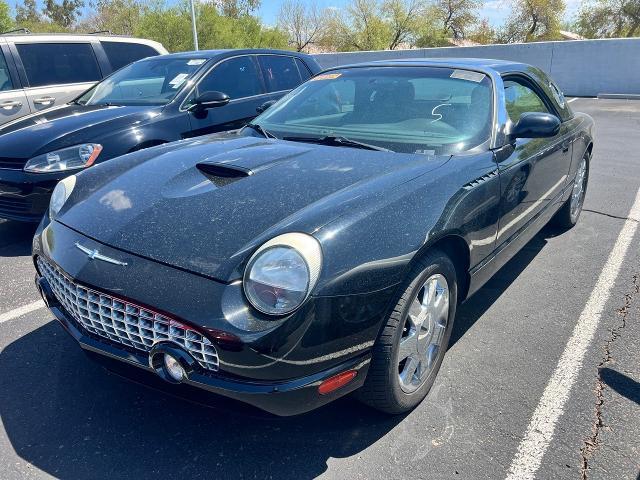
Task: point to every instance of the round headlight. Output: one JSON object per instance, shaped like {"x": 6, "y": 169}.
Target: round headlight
{"x": 282, "y": 273}
{"x": 60, "y": 195}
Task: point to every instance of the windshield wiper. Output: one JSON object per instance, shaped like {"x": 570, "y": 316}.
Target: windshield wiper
{"x": 258, "y": 128}
{"x": 337, "y": 141}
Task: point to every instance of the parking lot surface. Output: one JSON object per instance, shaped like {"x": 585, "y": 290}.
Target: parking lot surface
{"x": 64, "y": 417}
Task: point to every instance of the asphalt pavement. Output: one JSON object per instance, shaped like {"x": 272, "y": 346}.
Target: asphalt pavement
{"x": 64, "y": 417}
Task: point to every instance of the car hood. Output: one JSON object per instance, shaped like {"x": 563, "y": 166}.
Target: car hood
{"x": 67, "y": 125}
{"x": 205, "y": 204}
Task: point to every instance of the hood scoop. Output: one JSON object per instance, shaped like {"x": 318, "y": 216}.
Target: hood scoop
{"x": 223, "y": 174}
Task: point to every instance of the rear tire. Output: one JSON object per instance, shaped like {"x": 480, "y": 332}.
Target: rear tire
{"x": 408, "y": 353}
{"x": 569, "y": 213}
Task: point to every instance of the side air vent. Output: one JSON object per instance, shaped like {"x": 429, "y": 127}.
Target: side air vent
{"x": 221, "y": 174}
{"x": 474, "y": 183}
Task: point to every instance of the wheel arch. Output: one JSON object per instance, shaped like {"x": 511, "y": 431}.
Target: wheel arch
{"x": 457, "y": 249}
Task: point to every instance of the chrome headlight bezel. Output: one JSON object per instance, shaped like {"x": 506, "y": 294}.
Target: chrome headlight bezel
{"x": 65, "y": 159}
{"x": 60, "y": 195}
{"x": 309, "y": 253}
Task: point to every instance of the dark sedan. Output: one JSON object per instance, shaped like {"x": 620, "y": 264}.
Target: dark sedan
{"x": 152, "y": 101}
{"x": 323, "y": 250}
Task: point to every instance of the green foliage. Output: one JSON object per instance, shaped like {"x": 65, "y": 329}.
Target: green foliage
{"x": 457, "y": 16}
{"x": 63, "y": 14}
{"x": 609, "y": 19}
{"x": 6, "y": 22}
{"x": 172, "y": 27}
{"x": 533, "y": 20}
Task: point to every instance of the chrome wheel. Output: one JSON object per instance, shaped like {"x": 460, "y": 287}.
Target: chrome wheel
{"x": 579, "y": 190}
{"x": 423, "y": 332}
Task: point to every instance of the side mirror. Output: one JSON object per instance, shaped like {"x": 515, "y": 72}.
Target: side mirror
{"x": 265, "y": 106}
{"x": 209, "y": 100}
{"x": 535, "y": 125}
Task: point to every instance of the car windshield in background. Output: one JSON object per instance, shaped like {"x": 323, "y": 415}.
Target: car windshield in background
{"x": 404, "y": 109}
{"x": 154, "y": 81}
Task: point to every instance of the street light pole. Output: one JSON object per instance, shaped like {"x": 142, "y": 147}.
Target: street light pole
{"x": 193, "y": 26}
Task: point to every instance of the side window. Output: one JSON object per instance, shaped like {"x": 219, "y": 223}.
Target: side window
{"x": 280, "y": 72}
{"x": 305, "y": 73}
{"x": 121, "y": 54}
{"x": 557, "y": 94}
{"x": 58, "y": 63}
{"x": 5, "y": 79}
{"x": 237, "y": 77}
{"x": 519, "y": 99}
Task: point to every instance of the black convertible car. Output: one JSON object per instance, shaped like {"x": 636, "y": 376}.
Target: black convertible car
{"x": 324, "y": 248}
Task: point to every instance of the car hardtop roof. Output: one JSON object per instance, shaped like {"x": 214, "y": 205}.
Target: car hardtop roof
{"x": 231, "y": 52}
{"x": 461, "y": 63}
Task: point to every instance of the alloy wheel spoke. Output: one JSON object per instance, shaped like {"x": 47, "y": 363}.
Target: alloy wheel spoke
{"x": 408, "y": 346}
{"x": 409, "y": 370}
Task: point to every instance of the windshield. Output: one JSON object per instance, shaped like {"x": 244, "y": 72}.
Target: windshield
{"x": 404, "y": 109}
{"x": 153, "y": 81}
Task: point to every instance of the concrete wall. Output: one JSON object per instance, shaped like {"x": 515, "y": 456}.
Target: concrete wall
{"x": 581, "y": 68}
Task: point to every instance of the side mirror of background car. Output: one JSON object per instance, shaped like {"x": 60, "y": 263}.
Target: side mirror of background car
{"x": 265, "y": 106}
{"x": 209, "y": 100}
{"x": 535, "y": 125}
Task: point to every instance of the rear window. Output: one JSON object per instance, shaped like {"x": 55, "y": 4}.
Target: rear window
{"x": 58, "y": 63}
{"x": 280, "y": 72}
{"x": 121, "y": 54}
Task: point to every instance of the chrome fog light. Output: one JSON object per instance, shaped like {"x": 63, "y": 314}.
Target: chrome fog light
{"x": 173, "y": 368}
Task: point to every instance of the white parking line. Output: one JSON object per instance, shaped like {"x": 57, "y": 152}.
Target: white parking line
{"x": 18, "y": 312}
{"x": 572, "y": 100}
{"x": 551, "y": 406}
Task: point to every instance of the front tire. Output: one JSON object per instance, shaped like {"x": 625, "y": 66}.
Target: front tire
{"x": 408, "y": 353}
{"x": 569, "y": 213}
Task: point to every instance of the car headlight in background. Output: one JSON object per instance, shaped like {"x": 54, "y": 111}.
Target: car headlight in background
{"x": 60, "y": 195}
{"x": 282, "y": 272}
{"x": 70, "y": 158}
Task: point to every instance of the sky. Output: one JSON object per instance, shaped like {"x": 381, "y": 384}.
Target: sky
{"x": 495, "y": 11}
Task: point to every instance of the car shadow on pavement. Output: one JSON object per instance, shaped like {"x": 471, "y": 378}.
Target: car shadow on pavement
{"x": 471, "y": 310}
{"x": 622, "y": 384}
{"x": 15, "y": 238}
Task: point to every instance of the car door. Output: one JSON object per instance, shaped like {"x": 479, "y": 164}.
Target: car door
{"x": 532, "y": 173}
{"x": 55, "y": 73}
{"x": 13, "y": 101}
{"x": 238, "y": 77}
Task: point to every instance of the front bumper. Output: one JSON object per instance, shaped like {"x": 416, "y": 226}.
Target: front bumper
{"x": 25, "y": 196}
{"x": 284, "y": 398}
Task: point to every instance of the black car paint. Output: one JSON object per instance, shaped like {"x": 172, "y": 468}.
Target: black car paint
{"x": 373, "y": 213}
{"x": 119, "y": 129}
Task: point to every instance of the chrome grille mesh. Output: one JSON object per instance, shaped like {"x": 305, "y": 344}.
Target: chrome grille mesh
{"x": 124, "y": 322}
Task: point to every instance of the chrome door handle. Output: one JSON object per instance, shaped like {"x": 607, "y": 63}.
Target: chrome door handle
{"x": 10, "y": 105}
{"x": 44, "y": 100}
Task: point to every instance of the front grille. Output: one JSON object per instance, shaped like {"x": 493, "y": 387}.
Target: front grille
{"x": 15, "y": 205}
{"x": 123, "y": 322}
{"x": 12, "y": 163}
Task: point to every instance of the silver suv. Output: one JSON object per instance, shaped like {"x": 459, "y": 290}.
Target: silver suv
{"x": 40, "y": 71}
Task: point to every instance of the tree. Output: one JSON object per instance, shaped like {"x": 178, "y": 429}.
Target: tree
{"x": 237, "y": 8}
{"x": 63, "y": 14}
{"x": 609, "y": 18}
{"x": 533, "y": 20}
{"x": 6, "y": 22}
{"x": 483, "y": 33}
{"x": 403, "y": 18}
{"x": 27, "y": 12}
{"x": 116, "y": 16}
{"x": 457, "y": 16}
{"x": 303, "y": 23}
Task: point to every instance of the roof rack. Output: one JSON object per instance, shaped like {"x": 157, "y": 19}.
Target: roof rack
{"x": 23, "y": 30}
{"x": 99, "y": 32}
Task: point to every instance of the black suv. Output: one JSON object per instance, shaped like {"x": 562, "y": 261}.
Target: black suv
{"x": 150, "y": 102}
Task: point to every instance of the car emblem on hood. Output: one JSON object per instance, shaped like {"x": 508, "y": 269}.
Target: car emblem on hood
{"x": 95, "y": 255}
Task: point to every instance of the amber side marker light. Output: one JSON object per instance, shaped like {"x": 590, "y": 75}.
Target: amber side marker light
{"x": 337, "y": 381}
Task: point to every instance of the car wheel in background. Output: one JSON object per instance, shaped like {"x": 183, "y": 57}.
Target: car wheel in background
{"x": 407, "y": 355}
{"x": 569, "y": 213}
